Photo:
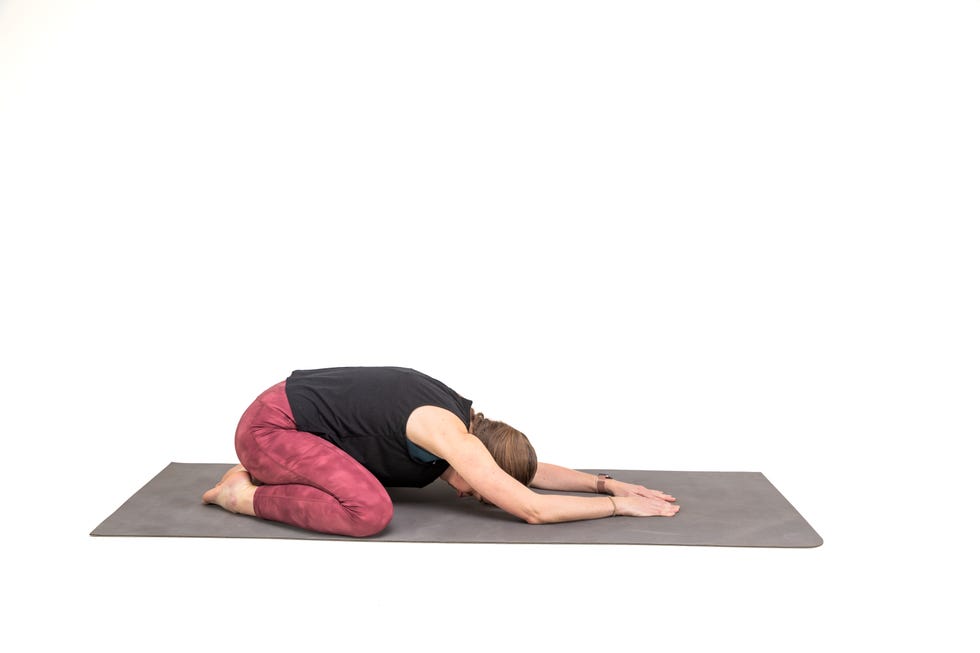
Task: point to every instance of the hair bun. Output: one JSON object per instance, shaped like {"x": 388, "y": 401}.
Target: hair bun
{"x": 475, "y": 418}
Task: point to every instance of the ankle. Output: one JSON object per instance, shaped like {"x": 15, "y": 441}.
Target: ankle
{"x": 244, "y": 500}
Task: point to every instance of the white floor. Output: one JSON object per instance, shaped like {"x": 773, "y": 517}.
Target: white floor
{"x": 705, "y": 236}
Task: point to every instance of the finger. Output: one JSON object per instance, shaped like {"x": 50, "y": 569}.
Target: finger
{"x": 667, "y": 507}
{"x": 641, "y": 491}
{"x": 647, "y": 492}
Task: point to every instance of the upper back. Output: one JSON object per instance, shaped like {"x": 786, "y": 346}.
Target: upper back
{"x": 364, "y": 410}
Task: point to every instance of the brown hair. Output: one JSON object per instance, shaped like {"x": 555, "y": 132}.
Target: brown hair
{"x": 510, "y": 448}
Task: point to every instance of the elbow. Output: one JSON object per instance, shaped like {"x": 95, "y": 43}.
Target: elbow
{"x": 532, "y": 514}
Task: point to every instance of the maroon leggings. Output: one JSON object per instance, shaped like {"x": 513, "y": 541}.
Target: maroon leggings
{"x": 305, "y": 480}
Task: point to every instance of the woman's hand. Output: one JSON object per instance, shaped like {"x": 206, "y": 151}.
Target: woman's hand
{"x": 621, "y": 489}
{"x": 637, "y": 506}
{"x": 638, "y": 501}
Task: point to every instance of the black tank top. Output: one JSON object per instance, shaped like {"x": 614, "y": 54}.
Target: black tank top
{"x": 364, "y": 411}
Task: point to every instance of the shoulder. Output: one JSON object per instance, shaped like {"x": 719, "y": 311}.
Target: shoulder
{"x": 436, "y": 429}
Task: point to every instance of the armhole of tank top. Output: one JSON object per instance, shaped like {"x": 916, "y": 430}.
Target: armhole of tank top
{"x": 417, "y": 453}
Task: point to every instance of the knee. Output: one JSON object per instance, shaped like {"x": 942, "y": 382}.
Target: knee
{"x": 371, "y": 515}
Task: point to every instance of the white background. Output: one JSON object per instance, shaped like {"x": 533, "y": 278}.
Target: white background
{"x": 652, "y": 235}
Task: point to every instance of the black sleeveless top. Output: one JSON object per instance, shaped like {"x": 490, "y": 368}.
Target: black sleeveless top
{"x": 364, "y": 411}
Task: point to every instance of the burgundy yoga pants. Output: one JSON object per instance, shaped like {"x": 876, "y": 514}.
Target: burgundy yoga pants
{"x": 306, "y": 481}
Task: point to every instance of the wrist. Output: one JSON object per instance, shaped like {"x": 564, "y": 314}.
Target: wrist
{"x": 602, "y": 482}
{"x": 612, "y": 487}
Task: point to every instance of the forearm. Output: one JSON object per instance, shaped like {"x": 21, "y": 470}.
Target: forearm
{"x": 554, "y": 477}
{"x": 551, "y": 508}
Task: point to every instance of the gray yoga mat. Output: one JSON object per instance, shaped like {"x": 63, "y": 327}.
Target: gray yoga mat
{"x": 717, "y": 509}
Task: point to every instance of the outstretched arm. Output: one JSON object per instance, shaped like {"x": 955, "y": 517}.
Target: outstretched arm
{"x": 443, "y": 434}
{"x": 554, "y": 477}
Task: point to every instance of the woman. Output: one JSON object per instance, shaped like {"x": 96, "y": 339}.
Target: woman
{"x": 318, "y": 449}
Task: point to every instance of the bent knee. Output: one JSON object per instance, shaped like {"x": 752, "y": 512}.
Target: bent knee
{"x": 372, "y": 516}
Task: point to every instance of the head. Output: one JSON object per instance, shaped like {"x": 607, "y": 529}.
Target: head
{"x": 509, "y": 447}
{"x": 460, "y": 484}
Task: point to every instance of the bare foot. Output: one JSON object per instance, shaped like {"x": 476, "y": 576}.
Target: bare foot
{"x": 233, "y": 492}
{"x": 237, "y": 468}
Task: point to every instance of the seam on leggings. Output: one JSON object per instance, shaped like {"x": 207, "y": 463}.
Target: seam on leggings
{"x": 270, "y": 494}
